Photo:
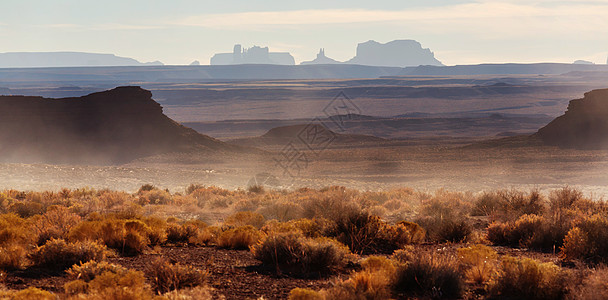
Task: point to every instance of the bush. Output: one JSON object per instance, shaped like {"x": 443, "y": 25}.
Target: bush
{"x": 529, "y": 231}
{"x": 367, "y": 234}
{"x": 14, "y": 230}
{"x": 128, "y": 237}
{"x": 305, "y": 294}
{"x": 110, "y": 285}
{"x": 594, "y": 286}
{"x": 587, "y": 241}
{"x": 181, "y": 233}
{"x": 30, "y": 293}
{"x": 509, "y": 205}
{"x": 244, "y": 218}
{"x": 89, "y": 270}
{"x": 361, "y": 285}
{"x": 480, "y": 261}
{"x": 528, "y": 279}
{"x": 239, "y": 238}
{"x": 298, "y": 255}
{"x": 12, "y": 257}
{"x": 55, "y": 223}
{"x": 166, "y": 277}
{"x": 431, "y": 275}
{"x": 445, "y": 217}
{"x": 58, "y": 254}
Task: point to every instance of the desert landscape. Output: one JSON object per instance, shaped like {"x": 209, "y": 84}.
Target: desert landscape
{"x": 200, "y": 150}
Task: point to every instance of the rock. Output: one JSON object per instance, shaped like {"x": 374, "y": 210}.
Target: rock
{"x": 398, "y": 53}
{"x": 583, "y": 126}
{"x": 195, "y": 63}
{"x": 253, "y": 55}
{"x": 108, "y": 127}
{"x": 583, "y": 62}
{"x": 321, "y": 59}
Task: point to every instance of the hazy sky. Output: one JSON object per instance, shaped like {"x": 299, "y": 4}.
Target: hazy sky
{"x": 180, "y": 31}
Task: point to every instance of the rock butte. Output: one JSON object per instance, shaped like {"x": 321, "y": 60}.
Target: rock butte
{"x": 583, "y": 126}
{"x": 108, "y": 127}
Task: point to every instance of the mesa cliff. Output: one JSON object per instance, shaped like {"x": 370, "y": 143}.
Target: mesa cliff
{"x": 583, "y": 126}
{"x": 108, "y": 127}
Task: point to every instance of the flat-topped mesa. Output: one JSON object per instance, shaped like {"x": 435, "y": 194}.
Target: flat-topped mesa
{"x": 583, "y": 126}
{"x": 114, "y": 126}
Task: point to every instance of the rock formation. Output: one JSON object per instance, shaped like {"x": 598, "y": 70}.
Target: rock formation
{"x": 66, "y": 59}
{"x": 583, "y": 126}
{"x": 321, "y": 60}
{"x": 398, "y": 53}
{"x": 253, "y": 55}
{"x": 108, "y": 127}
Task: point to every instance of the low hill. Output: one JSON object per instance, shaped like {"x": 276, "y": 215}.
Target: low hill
{"x": 312, "y": 135}
{"x": 114, "y": 126}
{"x": 65, "y": 59}
{"x": 583, "y": 126}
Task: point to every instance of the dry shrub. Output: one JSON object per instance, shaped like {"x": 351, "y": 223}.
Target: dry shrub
{"x": 526, "y": 278}
{"x": 128, "y": 237}
{"x": 445, "y": 217}
{"x": 26, "y": 209}
{"x": 529, "y": 231}
{"x": 480, "y": 261}
{"x": 128, "y": 284}
{"x": 430, "y": 275}
{"x": 367, "y": 234}
{"x": 594, "y": 286}
{"x": 30, "y": 293}
{"x": 155, "y": 196}
{"x": 588, "y": 240}
{"x": 87, "y": 271}
{"x": 330, "y": 203}
{"x": 14, "y": 230}
{"x": 509, "y": 205}
{"x": 193, "y": 187}
{"x": 59, "y": 254}
{"x": 281, "y": 210}
{"x": 239, "y": 238}
{"x": 309, "y": 228}
{"x": 195, "y": 293}
{"x": 301, "y": 256}
{"x": 244, "y": 218}
{"x": 361, "y": 285}
{"x": 157, "y": 230}
{"x": 177, "y": 233}
{"x": 166, "y": 277}
{"x": 305, "y": 294}
{"x": 54, "y": 224}
{"x": 13, "y": 257}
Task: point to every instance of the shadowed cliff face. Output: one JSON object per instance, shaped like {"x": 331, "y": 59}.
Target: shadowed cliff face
{"x": 114, "y": 126}
{"x": 583, "y": 126}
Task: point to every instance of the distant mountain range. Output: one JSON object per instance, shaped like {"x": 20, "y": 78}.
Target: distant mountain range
{"x": 66, "y": 59}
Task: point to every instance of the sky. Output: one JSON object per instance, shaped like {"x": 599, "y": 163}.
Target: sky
{"x": 181, "y": 31}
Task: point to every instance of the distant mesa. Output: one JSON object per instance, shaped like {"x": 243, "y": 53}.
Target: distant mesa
{"x": 285, "y": 134}
{"x": 398, "y": 53}
{"x": 66, "y": 59}
{"x": 114, "y": 126}
{"x": 195, "y": 63}
{"x": 253, "y": 55}
{"x": 583, "y": 126}
{"x": 321, "y": 60}
{"x": 583, "y": 62}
